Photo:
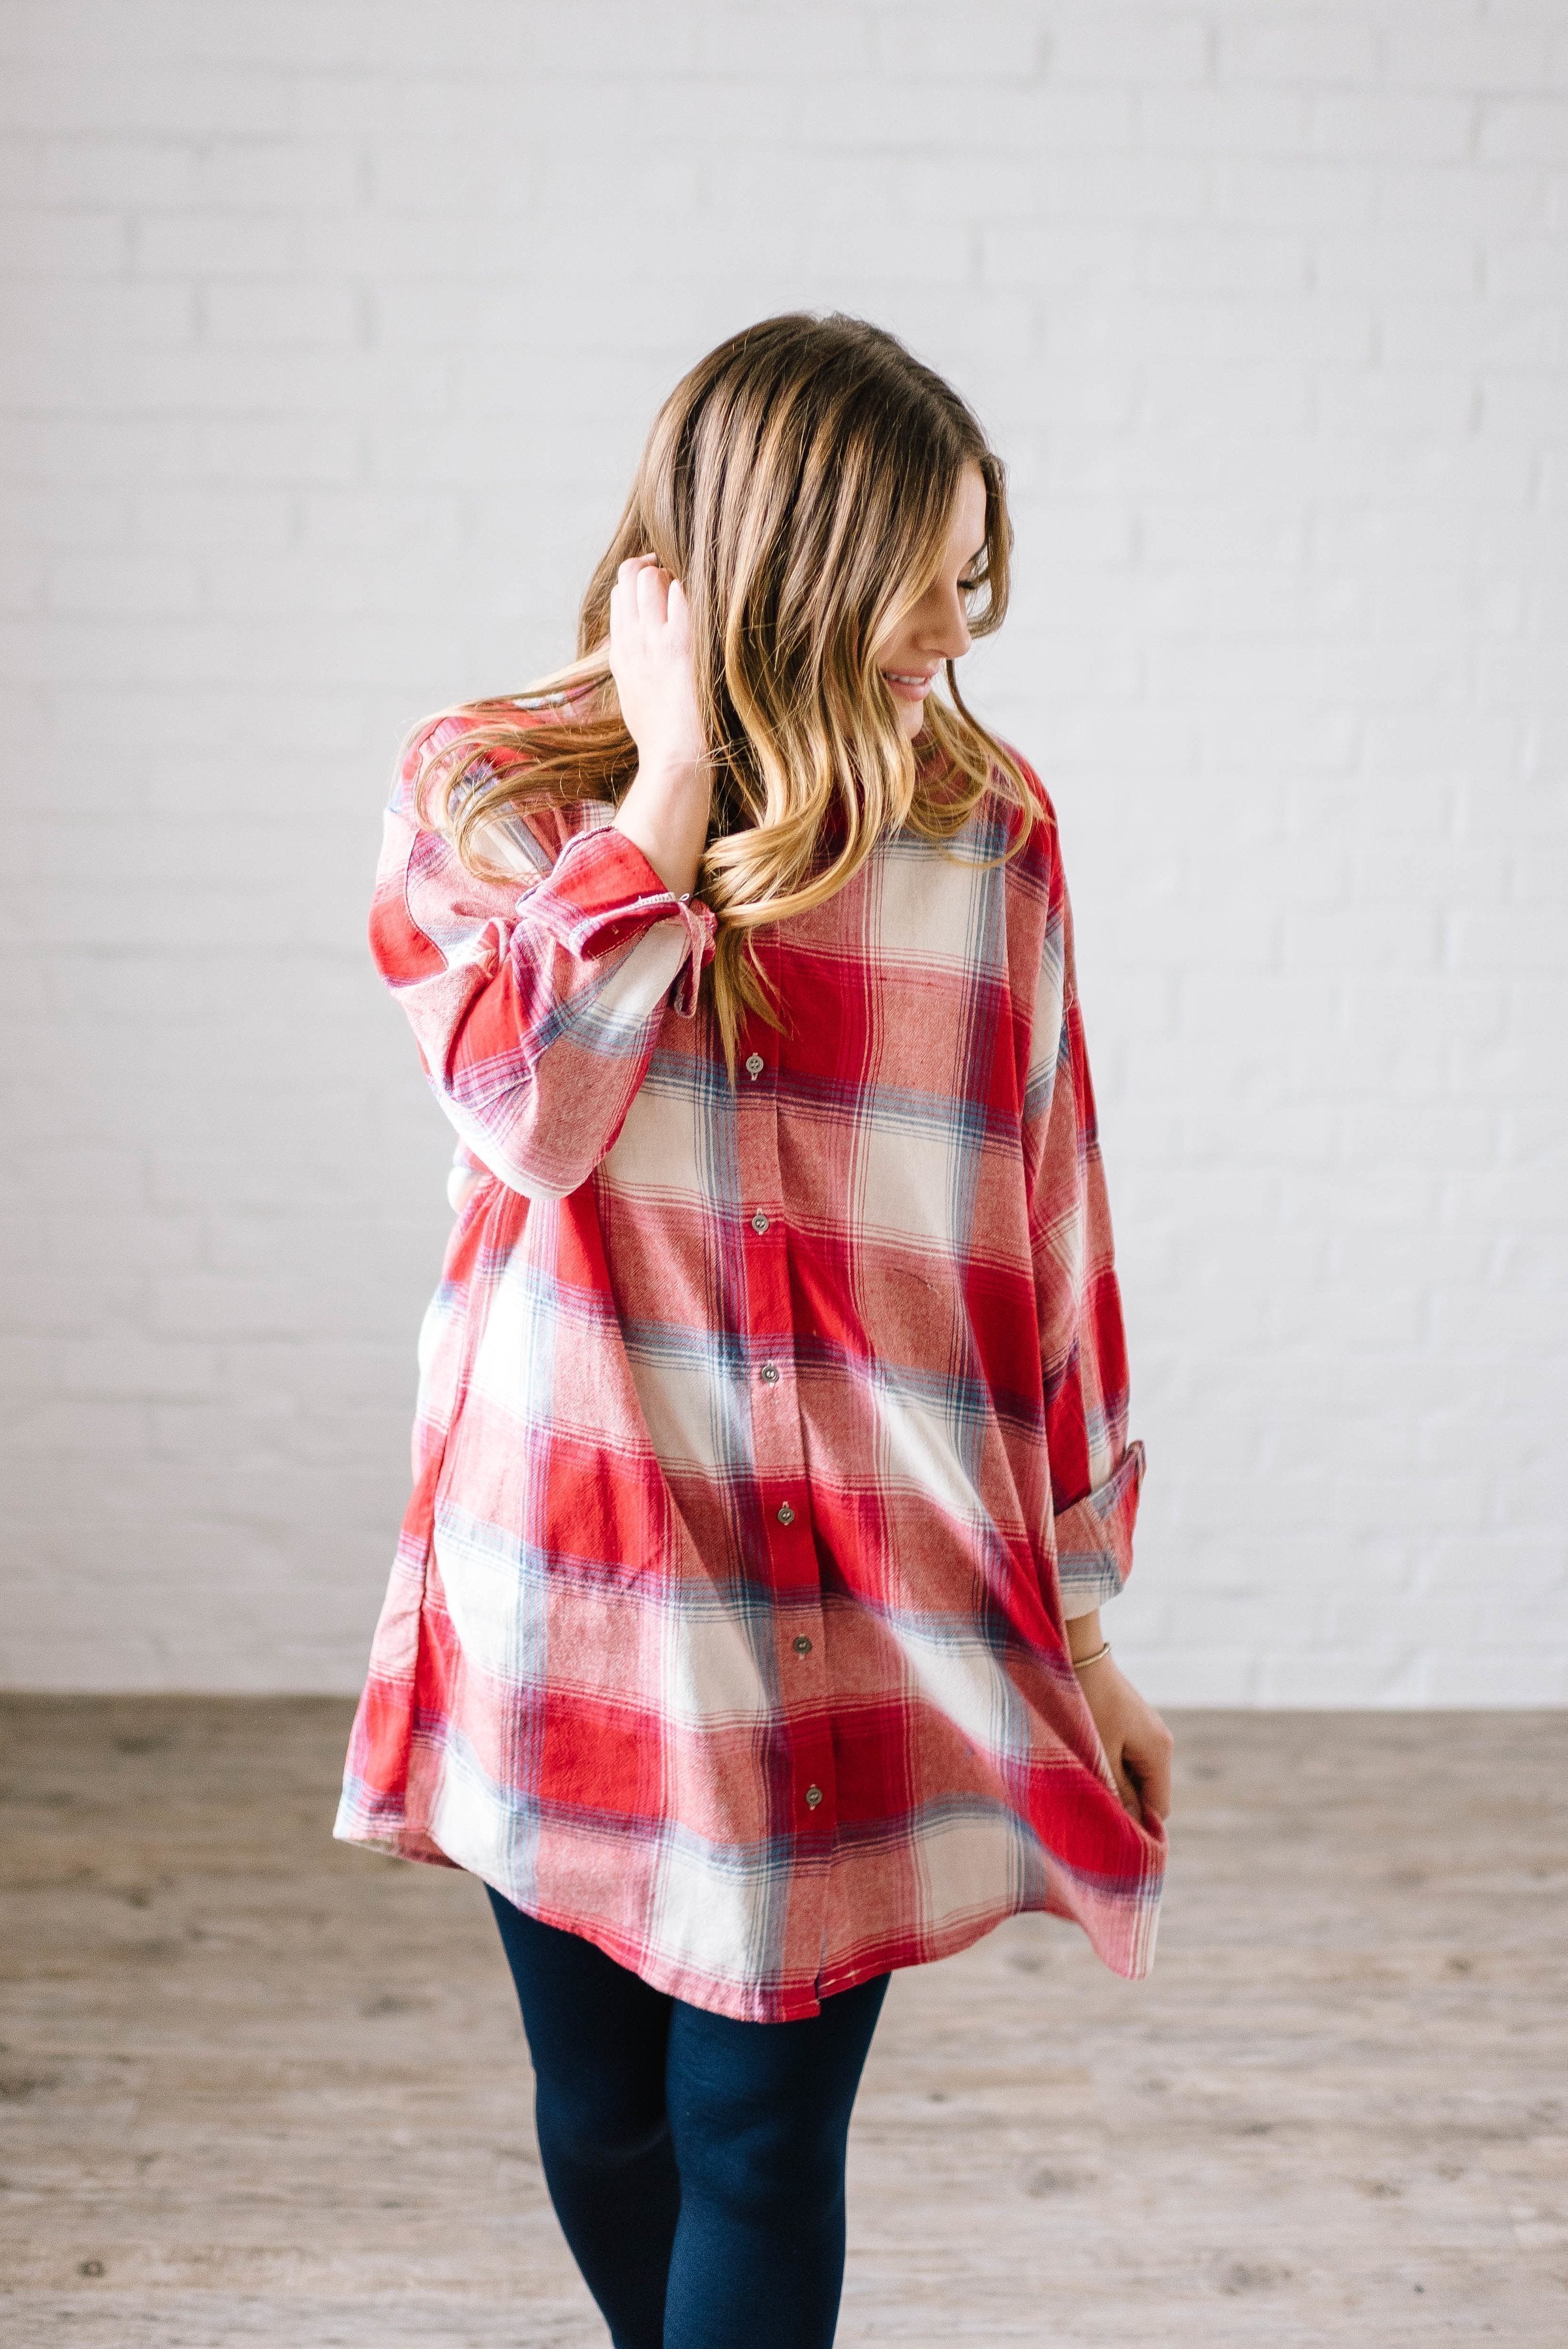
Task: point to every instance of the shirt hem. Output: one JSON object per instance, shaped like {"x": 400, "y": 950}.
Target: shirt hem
{"x": 1131, "y": 1958}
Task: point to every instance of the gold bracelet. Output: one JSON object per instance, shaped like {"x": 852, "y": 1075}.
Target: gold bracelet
{"x": 1078, "y": 1662}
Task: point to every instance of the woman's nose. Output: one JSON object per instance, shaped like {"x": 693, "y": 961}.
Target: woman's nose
{"x": 950, "y": 637}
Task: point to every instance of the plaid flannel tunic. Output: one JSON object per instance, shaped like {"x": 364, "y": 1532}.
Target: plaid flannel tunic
{"x": 765, "y": 1432}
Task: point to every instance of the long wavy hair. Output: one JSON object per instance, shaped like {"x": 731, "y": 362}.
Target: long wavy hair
{"x": 800, "y": 483}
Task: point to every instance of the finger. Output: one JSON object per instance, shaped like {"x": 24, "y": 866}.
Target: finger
{"x": 624, "y": 587}
{"x": 1127, "y": 1787}
{"x": 623, "y": 626}
{"x": 1152, "y": 1765}
{"x": 652, "y": 588}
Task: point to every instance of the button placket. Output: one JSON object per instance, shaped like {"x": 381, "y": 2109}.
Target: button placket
{"x": 779, "y": 1448}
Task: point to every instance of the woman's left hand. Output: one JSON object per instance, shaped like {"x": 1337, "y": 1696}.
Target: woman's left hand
{"x": 1138, "y": 1746}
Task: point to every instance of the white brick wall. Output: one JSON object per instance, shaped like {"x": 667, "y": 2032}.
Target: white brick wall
{"x": 331, "y": 327}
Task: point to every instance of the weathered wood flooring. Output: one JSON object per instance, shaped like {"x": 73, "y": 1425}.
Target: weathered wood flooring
{"x": 256, "y": 2087}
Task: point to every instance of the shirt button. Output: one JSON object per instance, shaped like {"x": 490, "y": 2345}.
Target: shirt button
{"x": 786, "y": 1514}
{"x": 769, "y": 1374}
{"x": 759, "y": 1222}
{"x": 802, "y": 1645}
{"x": 754, "y": 1066}
{"x": 812, "y": 1796}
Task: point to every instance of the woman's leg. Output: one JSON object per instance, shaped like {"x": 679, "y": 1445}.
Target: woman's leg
{"x": 760, "y": 2112}
{"x": 597, "y": 2037}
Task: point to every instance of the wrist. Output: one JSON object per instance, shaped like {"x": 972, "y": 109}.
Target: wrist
{"x": 1083, "y": 1635}
{"x": 664, "y": 812}
{"x": 671, "y": 777}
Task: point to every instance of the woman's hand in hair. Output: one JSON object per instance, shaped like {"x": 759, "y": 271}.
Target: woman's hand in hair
{"x": 665, "y": 809}
{"x": 1138, "y": 1746}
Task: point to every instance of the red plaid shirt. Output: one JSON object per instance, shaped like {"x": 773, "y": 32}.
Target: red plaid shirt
{"x": 767, "y": 1433}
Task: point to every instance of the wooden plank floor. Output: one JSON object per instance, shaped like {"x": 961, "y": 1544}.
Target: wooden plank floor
{"x": 256, "y": 2087}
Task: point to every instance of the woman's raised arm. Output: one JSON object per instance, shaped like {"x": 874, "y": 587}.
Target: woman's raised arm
{"x": 665, "y": 809}
{"x": 535, "y": 1013}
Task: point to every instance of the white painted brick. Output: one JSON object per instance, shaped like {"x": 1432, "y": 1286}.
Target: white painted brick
{"x": 1410, "y": 126}
{"x": 1227, "y": 334}
{"x": 1223, "y": 122}
{"x": 80, "y": 31}
{"x": 74, "y": 1431}
{"x": 1299, "y": 47}
{"x": 1503, "y": 204}
{"x": 86, "y": 311}
{"x": 1434, "y": 50}
{"x": 1014, "y": 119}
{"x": 194, "y": 518}
{"x": 392, "y": 247}
{"x": 97, "y": 170}
{"x": 389, "y": 112}
{"x": 1525, "y": 131}
{"x": 21, "y": 581}
{"x": 619, "y": 39}
{"x": 461, "y": 175}
{"x": 135, "y": 1367}
{"x": 21, "y": 171}
{"x": 1293, "y": 192}
{"x": 1128, "y": 47}
{"x": 314, "y": 315}
{"x": 1418, "y": 260}
{"x": 133, "y": 99}
{"x": 213, "y": 244}
{"x": 1034, "y": 254}
{"x": 1523, "y": 406}
{"x": 406, "y": 40}
{"x": 147, "y": 584}
{"x": 795, "y": 43}
{"x": 77, "y": 244}
{"x": 1503, "y": 329}
{"x": 277, "y": 448}
{"x": 1240, "y": 261}
{"x": 1003, "y": 43}
{"x": 328, "y": 363}
{"x": 315, "y": 176}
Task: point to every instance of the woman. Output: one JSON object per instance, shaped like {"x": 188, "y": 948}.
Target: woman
{"x": 771, "y": 1456}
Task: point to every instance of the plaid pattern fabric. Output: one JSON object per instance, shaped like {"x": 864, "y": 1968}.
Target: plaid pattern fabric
{"x": 766, "y": 1431}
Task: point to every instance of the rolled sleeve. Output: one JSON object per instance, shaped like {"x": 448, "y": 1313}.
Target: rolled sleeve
{"x": 602, "y": 895}
{"x": 536, "y": 1010}
{"x": 1095, "y": 1538}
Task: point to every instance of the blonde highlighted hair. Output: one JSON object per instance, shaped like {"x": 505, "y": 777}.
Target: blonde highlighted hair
{"x": 800, "y": 483}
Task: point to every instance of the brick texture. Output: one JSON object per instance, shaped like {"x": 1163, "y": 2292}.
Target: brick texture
{"x": 330, "y": 329}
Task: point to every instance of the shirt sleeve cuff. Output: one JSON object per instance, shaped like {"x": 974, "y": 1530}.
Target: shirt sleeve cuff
{"x": 602, "y": 895}
{"x": 1094, "y": 1538}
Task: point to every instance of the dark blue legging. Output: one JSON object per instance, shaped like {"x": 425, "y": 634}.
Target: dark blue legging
{"x": 696, "y": 2163}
